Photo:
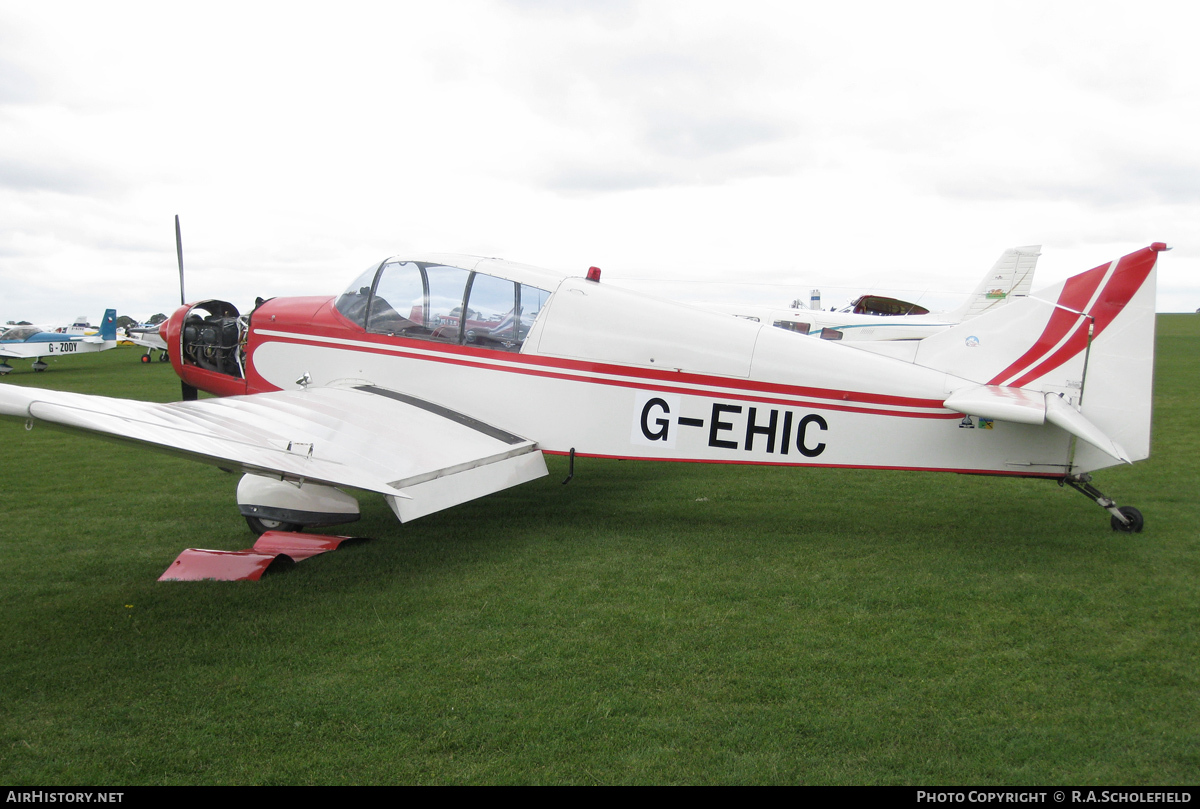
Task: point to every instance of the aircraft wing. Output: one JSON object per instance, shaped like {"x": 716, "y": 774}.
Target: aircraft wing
{"x": 422, "y": 456}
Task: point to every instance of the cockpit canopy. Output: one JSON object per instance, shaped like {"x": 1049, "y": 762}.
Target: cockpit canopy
{"x": 880, "y": 305}
{"x": 18, "y": 333}
{"x": 447, "y": 304}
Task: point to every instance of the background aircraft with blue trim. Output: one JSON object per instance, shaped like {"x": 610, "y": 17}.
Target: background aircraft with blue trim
{"x": 31, "y": 343}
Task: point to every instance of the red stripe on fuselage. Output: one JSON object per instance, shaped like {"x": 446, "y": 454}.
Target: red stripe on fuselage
{"x": 302, "y": 318}
{"x": 994, "y": 472}
{"x": 554, "y": 368}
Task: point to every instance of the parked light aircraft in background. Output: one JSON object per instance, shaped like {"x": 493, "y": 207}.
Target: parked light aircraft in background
{"x": 79, "y": 325}
{"x": 439, "y": 379}
{"x": 876, "y": 317}
{"x": 29, "y": 342}
{"x": 147, "y": 336}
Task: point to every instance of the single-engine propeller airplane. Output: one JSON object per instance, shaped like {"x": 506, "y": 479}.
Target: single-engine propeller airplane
{"x": 438, "y": 379}
{"x": 876, "y": 317}
{"x": 30, "y": 343}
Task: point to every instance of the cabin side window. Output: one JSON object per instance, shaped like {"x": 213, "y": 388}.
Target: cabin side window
{"x": 529, "y": 305}
{"x": 446, "y": 287}
{"x": 500, "y": 312}
{"x": 490, "y": 306}
{"x": 398, "y": 304}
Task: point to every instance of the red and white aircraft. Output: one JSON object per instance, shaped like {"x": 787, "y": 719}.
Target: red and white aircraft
{"x": 438, "y": 379}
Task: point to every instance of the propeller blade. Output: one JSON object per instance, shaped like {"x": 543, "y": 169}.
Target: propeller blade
{"x": 179, "y": 253}
{"x": 188, "y": 393}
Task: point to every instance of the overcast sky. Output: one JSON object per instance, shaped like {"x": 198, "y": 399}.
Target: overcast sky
{"x": 677, "y": 145}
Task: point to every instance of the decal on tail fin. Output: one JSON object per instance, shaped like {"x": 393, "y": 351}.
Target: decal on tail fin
{"x": 108, "y": 326}
{"x": 1010, "y": 279}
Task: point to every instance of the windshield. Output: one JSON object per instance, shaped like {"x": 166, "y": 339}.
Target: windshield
{"x": 353, "y": 302}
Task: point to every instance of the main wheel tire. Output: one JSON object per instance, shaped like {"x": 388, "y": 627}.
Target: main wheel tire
{"x": 145, "y": 358}
{"x": 1134, "y": 526}
{"x": 260, "y": 526}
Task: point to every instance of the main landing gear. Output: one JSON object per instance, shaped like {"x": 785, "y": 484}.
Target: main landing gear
{"x": 1125, "y": 518}
{"x": 261, "y": 526}
{"x": 269, "y": 504}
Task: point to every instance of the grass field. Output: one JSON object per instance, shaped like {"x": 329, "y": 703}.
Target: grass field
{"x": 647, "y": 623}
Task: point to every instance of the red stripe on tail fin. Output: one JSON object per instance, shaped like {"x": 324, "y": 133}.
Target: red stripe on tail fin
{"x": 1078, "y": 292}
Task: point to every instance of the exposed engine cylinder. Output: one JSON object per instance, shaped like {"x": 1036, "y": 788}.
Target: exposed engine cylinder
{"x": 212, "y": 335}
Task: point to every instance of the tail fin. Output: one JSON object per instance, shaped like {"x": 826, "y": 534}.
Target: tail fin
{"x": 108, "y": 326}
{"x": 1089, "y": 339}
{"x": 1010, "y": 278}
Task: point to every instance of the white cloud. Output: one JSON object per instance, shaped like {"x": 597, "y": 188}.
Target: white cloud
{"x": 771, "y": 142}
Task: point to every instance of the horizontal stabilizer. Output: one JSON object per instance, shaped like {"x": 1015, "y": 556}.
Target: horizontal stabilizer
{"x": 1004, "y": 404}
{"x": 1061, "y": 414}
{"x": 1022, "y": 406}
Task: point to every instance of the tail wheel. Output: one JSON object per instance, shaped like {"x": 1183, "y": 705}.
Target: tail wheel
{"x": 1134, "y": 526}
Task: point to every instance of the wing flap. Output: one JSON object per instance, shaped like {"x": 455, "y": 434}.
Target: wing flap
{"x": 453, "y": 488}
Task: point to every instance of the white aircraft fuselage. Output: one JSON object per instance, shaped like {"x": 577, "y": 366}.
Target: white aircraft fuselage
{"x": 610, "y": 373}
